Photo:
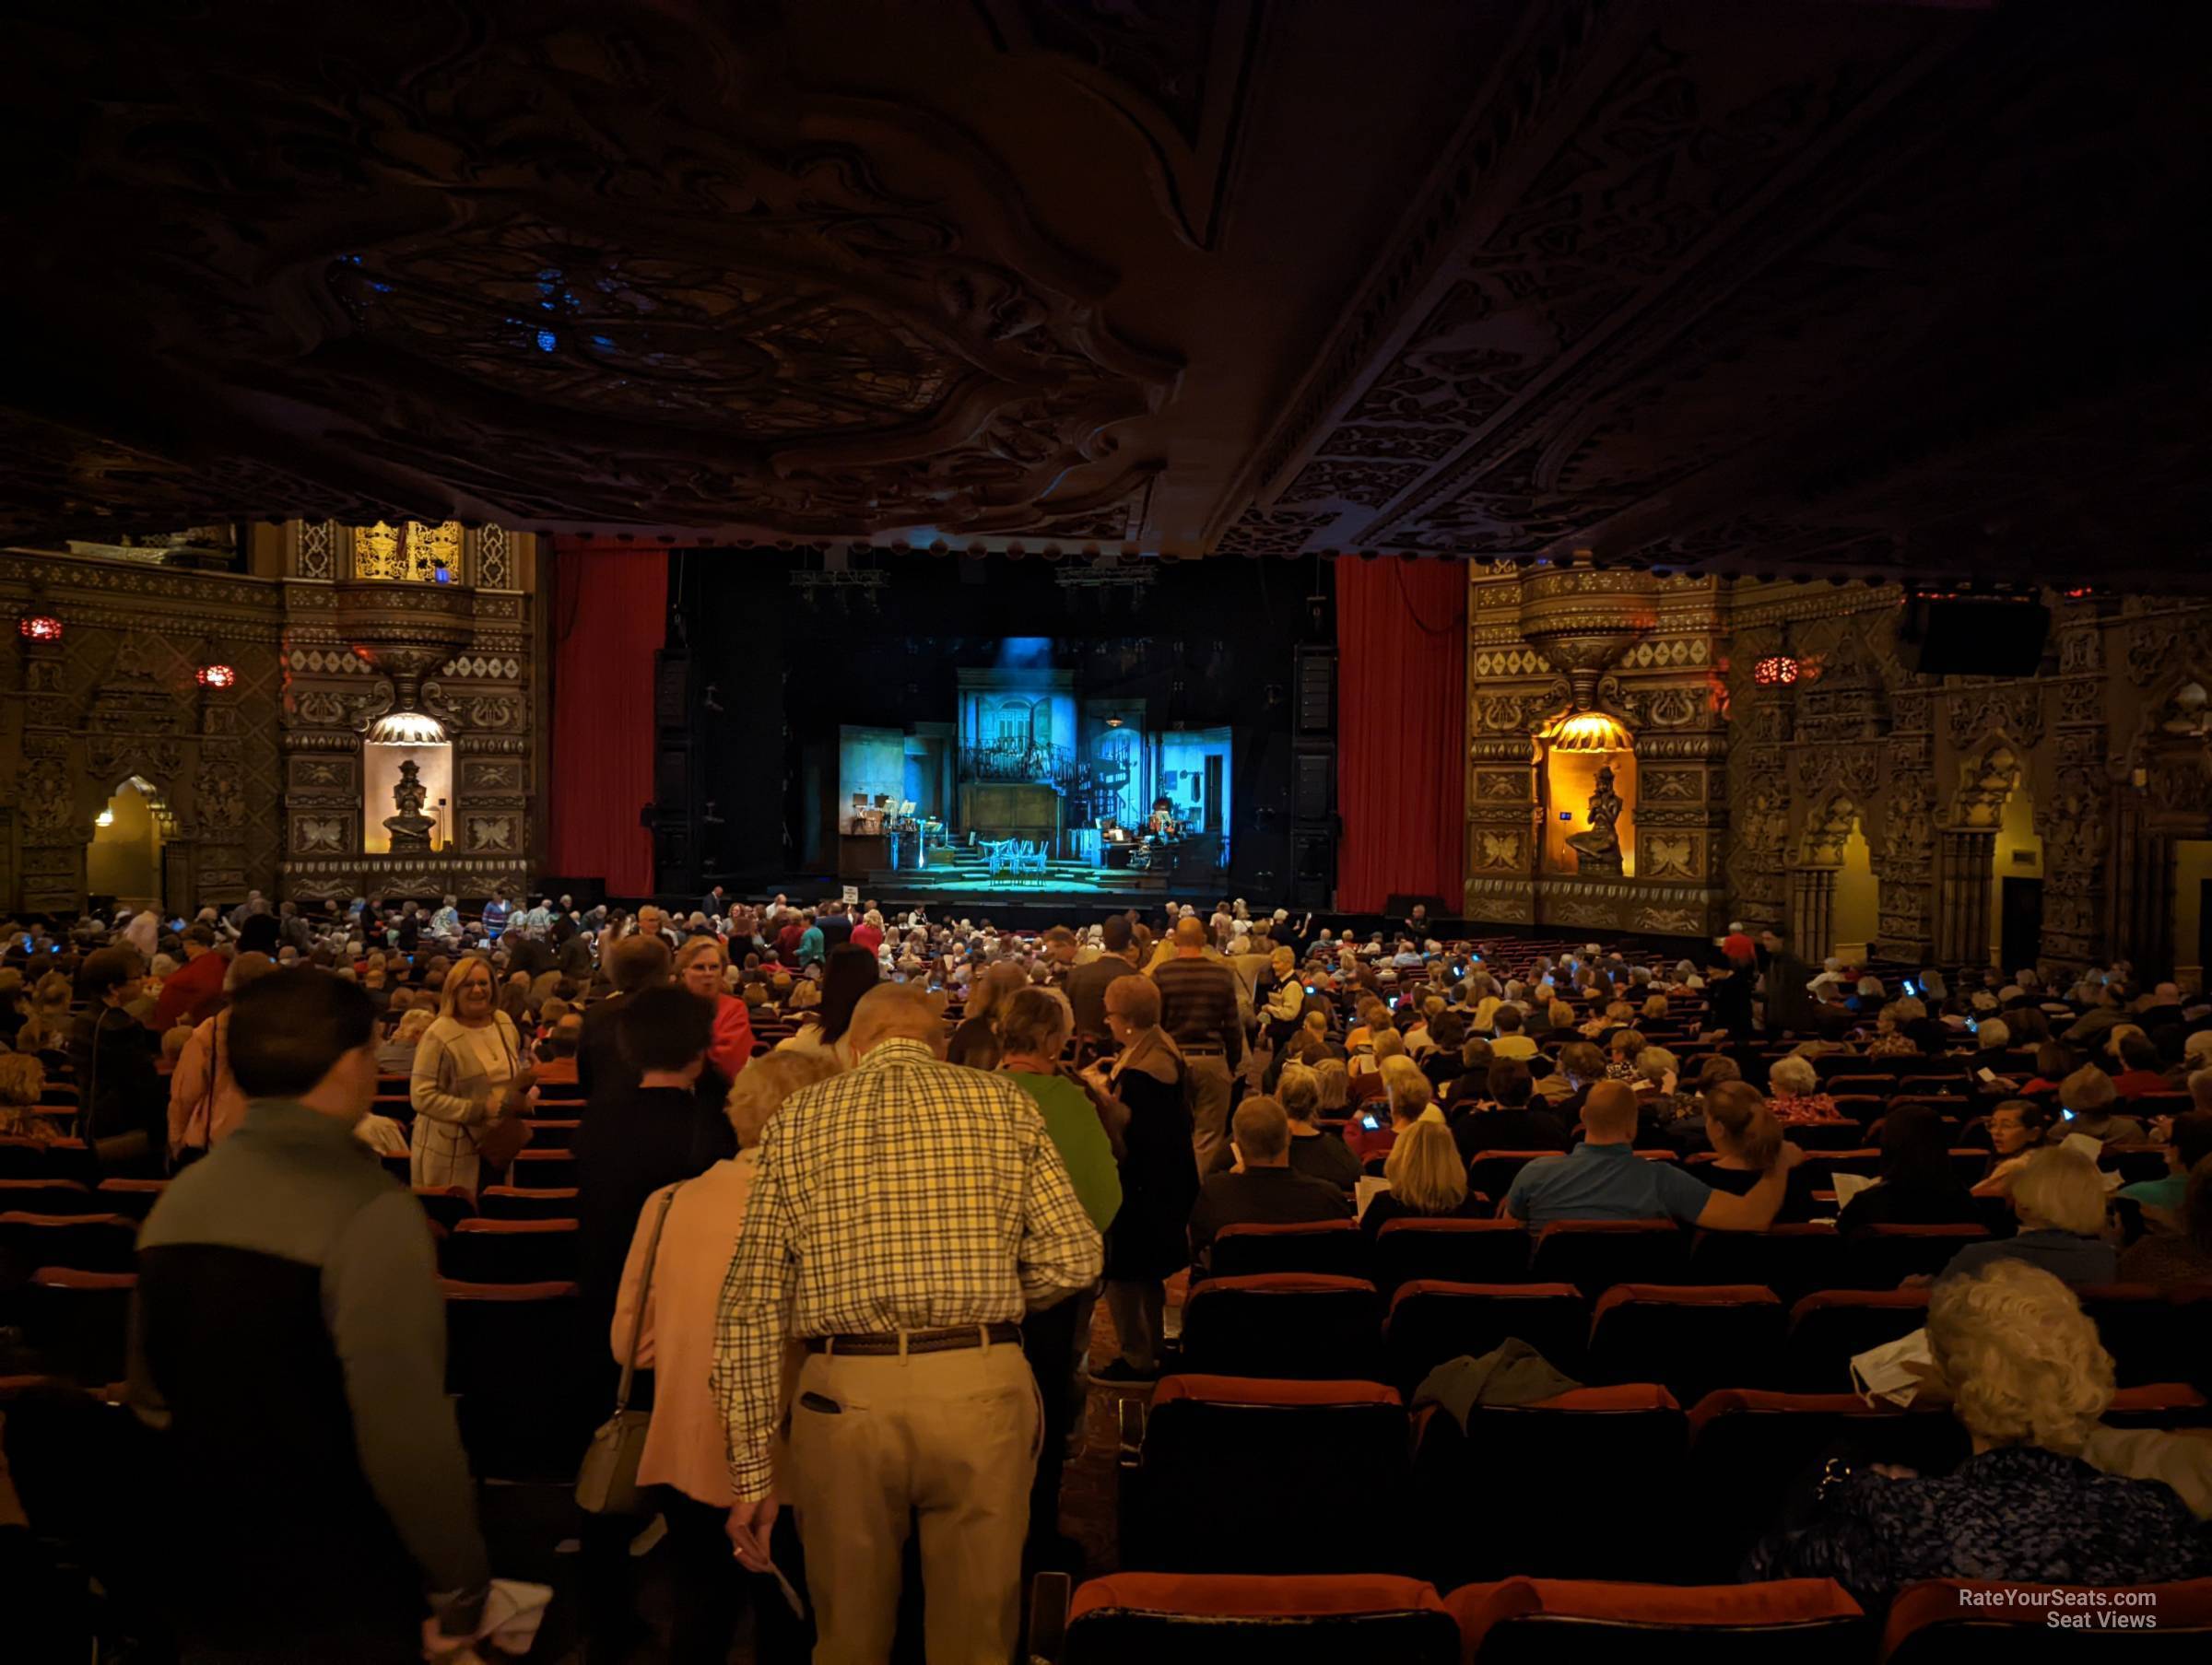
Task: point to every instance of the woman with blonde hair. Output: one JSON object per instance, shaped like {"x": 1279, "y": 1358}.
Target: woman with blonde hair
{"x": 22, "y": 1081}
{"x": 1410, "y": 1093}
{"x": 701, "y": 966}
{"x": 1336, "y": 1082}
{"x": 396, "y": 1056}
{"x": 669, "y": 1298}
{"x": 469, "y": 1073}
{"x": 1744, "y": 1134}
{"x": 2059, "y": 1196}
{"x": 976, "y": 1039}
{"x": 1428, "y": 1180}
{"x": 2026, "y": 1375}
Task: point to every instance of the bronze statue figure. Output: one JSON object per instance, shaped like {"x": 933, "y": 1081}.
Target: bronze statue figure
{"x": 410, "y": 829}
{"x": 1599, "y": 850}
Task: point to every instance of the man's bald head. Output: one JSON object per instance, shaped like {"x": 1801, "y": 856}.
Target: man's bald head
{"x": 1262, "y": 1132}
{"x": 1609, "y": 1113}
{"x": 1189, "y": 932}
{"x": 899, "y": 1011}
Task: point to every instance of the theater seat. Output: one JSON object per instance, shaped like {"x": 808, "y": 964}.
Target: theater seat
{"x": 1545, "y": 1621}
{"x": 1451, "y": 1251}
{"x": 132, "y": 1197}
{"x": 1748, "y": 1449}
{"x": 531, "y": 1384}
{"x": 52, "y": 1197}
{"x": 509, "y": 1251}
{"x": 1492, "y": 1172}
{"x": 2154, "y": 1335}
{"x": 81, "y": 1242}
{"x": 1693, "y": 1340}
{"x": 1593, "y": 1255}
{"x": 1954, "y": 1622}
{"x": 548, "y": 1133}
{"x": 1210, "y": 1484}
{"x": 1334, "y": 1247}
{"x": 1283, "y": 1324}
{"x": 512, "y": 1203}
{"x": 2159, "y": 1405}
{"x": 78, "y": 1321}
{"x": 1431, "y": 1320}
{"x": 1512, "y": 1495}
{"x": 1792, "y": 1261}
{"x": 1166, "y": 1619}
{"x": 542, "y": 1170}
{"x": 1884, "y": 1256}
{"x": 1831, "y": 1328}
{"x": 448, "y": 1207}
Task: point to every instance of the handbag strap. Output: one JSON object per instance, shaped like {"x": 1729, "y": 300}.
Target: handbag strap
{"x": 636, "y": 1321}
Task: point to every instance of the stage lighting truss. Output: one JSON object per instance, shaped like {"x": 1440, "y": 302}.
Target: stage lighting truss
{"x": 1108, "y": 572}
{"x": 843, "y": 586}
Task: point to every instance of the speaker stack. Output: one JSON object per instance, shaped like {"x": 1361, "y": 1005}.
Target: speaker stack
{"x": 1314, "y": 825}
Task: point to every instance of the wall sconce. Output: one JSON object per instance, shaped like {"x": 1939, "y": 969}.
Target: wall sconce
{"x": 39, "y": 626}
{"x": 105, "y": 818}
{"x": 1775, "y": 671}
{"x": 217, "y": 676}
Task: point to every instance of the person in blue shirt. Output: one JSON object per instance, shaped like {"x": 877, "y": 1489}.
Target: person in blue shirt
{"x": 1604, "y": 1178}
{"x": 495, "y": 917}
{"x": 811, "y": 941}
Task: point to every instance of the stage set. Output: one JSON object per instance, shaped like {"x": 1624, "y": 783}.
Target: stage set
{"x": 1037, "y": 790}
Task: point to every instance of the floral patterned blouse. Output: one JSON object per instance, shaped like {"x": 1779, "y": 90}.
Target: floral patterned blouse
{"x": 2019, "y": 1513}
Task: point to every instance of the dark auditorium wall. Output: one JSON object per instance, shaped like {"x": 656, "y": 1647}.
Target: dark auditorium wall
{"x": 1210, "y": 643}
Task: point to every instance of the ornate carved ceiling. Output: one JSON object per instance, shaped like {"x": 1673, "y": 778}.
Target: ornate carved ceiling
{"x": 1874, "y": 289}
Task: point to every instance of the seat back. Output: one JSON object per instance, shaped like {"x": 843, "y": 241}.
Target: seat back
{"x": 1210, "y": 1492}
{"x": 1334, "y": 1248}
{"x": 447, "y": 1207}
{"x": 1593, "y": 1255}
{"x": 133, "y": 1199}
{"x": 1748, "y": 1449}
{"x": 1543, "y": 1621}
{"x": 1163, "y": 1619}
{"x": 51, "y": 1198}
{"x": 1954, "y": 1622}
{"x": 542, "y": 1170}
{"x": 1792, "y": 1259}
{"x": 1551, "y": 1457}
{"x": 1831, "y": 1328}
{"x": 78, "y": 1321}
{"x": 1492, "y": 1172}
{"x": 1300, "y": 1325}
{"x": 509, "y": 1251}
{"x": 513, "y": 1202}
{"x": 81, "y": 1242}
{"x": 1887, "y": 1255}
{"x": 530, "y": 1384}
{"x": 1432, "y": 1322}
{"x": 1693, "y": 1340}
{"x": 2154, "y": 1335}
{"x": 1451, "y": 1251}
{"x": 548, "y": 1133}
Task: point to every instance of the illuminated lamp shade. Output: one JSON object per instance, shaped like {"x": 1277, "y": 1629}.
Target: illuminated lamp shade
{"x": 217, "y": 676}
{"x": 39, "y": 626}
{"x": 105, "y": 818}
{"x": 406, "y": 728}
{"x": 1589, "y": 732}
{"x": 1775, "y": 671}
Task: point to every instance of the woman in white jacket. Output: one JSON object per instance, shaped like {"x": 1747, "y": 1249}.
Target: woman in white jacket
{"x": 468, "y": 1072}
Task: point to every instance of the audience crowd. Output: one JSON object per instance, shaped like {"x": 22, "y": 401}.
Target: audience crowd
{"x": 852, "y": 1187}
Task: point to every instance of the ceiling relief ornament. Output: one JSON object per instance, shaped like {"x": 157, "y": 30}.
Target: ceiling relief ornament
{"x": 809, "y": 312}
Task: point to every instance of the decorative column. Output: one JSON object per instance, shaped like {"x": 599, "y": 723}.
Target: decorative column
{"x": 1966, "y": 866}
{"x": 1812, "y": 911}
{"x": 2076, "y": 819}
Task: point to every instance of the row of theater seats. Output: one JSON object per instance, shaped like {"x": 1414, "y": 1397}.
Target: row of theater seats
{"x": 1173, "y": 1620}
{"x": 1229, "y": 1474}
{"x": 1693, "y": 1337}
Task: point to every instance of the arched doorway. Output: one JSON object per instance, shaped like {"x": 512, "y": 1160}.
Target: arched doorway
{"x": 1858, "y": 917}
{"x": 2015, "y": 901}
{"x": 124, "y": 860}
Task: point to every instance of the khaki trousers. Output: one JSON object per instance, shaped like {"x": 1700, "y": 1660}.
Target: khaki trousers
{"x": 1211, "y": 1088}
{"x": 952, "y": 1436}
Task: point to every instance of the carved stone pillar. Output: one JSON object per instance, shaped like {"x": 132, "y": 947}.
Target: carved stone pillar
{"x": 1906, "y": 858}
{"x": 1813, "y": 911}
{"x": 1966, "y": 866}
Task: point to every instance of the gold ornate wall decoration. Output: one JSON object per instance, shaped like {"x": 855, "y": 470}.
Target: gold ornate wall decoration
{"x": 1987, "y": 776}
{"x": 409, "y": 552}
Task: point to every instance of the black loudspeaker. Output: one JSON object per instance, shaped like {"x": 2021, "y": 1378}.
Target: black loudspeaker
{"x": 674, "y": 848}
{"x": 1317, "y": 691}
{"x": 1313, "y": 782}
{"x": 1973, "y": 635}
{"x": 1314, "y": 827}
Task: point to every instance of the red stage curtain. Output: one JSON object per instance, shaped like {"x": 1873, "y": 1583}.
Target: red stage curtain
{"x": 609, "y": 617}
{"x": 1401, "y": 732}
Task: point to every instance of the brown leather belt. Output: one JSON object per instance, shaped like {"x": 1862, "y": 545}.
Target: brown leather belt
{"x": 918, "y": 1341}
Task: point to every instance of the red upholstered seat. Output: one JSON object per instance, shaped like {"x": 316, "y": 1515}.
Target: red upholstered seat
{"x": 1544, "y": 1621}
{"x": 1452, "y": 1251}
{"x": 531, "y": 1383}
{"x": 549, "y": 1135}
{"x": 77, "y": 1322}
{"x": 1492, "y": 1172}
{"x": 134, "y": 1198}
{"x": 2154, "y": 1335}
{"x": 1205, "y": 1486}
{"x": 1693, "y": 1339}
{"x": 1433, "y": 1320}
{"x": 540, "y": 1169}
{"x": 1551, "y": 1459}
{"x": 52, "y": 1197}
{"x": 1827, "y": 1330}
{"x": 513, "y": 1202}
{"x": 1955, "y": 1621}
{"x": 1337, "y": 1248}
{"x": 1167, "y": 1619}
{"x": 1593, "y": 1255}
{"x": 509, "y": 1251}
{"x": 83, "y": 1242}
{"x": 1791, "y": 1259}
{"x": 1749, "y": 1447}
{"x": 448, "y": 1207}
{"x": 1285, "y": 1323}
{"x": 1884, "y": 1256}
{"x": 2159, "y": 1405}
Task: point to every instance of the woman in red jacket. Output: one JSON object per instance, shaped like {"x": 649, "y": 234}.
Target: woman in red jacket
{"x": 703, "y": 967}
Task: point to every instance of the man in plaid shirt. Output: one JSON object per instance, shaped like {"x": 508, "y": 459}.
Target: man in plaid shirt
{"x": 903, "y": 1217}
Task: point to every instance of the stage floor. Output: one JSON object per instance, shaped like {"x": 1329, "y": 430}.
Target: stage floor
{"x": 968, "y": 880}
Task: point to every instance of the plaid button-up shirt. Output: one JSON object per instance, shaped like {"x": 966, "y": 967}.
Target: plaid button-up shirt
{"x": 905, "y": 1194}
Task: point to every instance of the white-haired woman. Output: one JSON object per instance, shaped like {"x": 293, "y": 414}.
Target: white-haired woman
{"x": 1795, "y": 1095}
{"x": 469, "y": 1072}
{"x": 2059, "y": 1196}
{"x": 2021, "y": 1364}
